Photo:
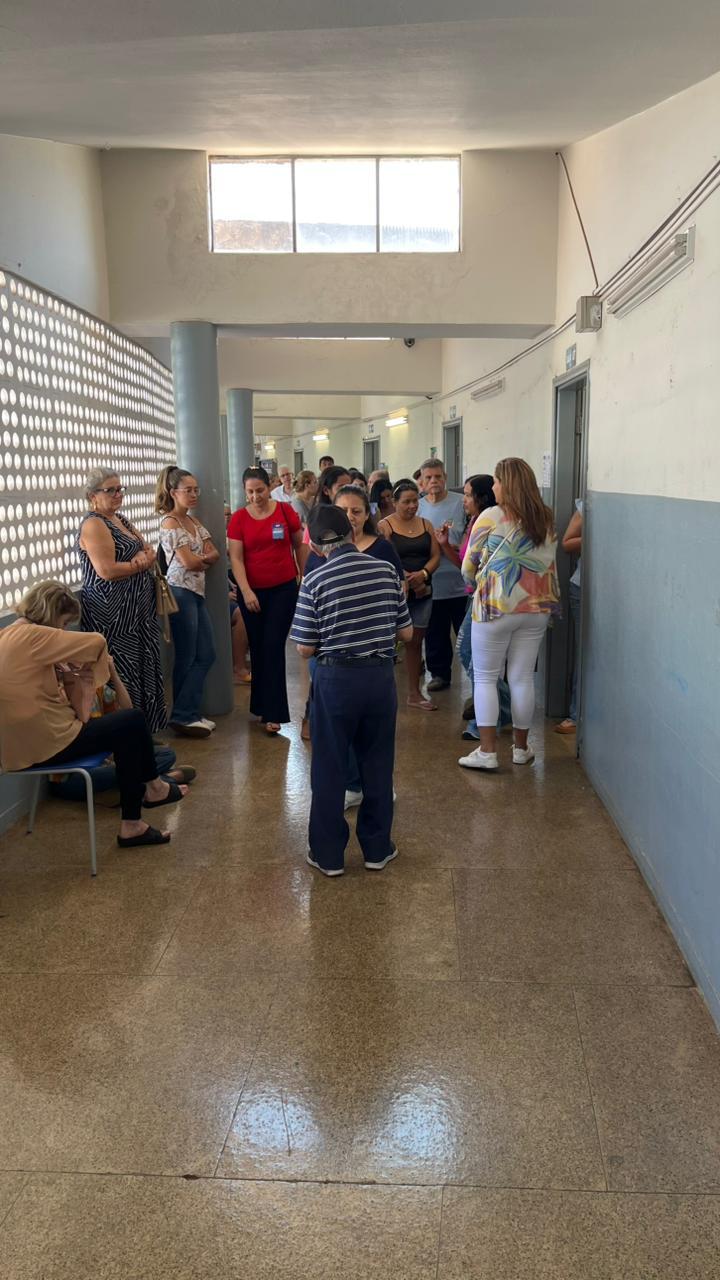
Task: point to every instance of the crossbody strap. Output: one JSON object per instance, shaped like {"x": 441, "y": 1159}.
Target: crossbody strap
{"x": 498, "y": 548}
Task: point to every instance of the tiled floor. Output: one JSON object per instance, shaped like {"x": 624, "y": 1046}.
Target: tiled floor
{"x": 487, "y": 1062}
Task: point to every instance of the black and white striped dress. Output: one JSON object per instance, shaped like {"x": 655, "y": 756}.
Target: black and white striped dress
{"x": 124, "y": 612}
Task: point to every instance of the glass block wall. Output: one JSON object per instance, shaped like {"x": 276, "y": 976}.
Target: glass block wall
{"x": 74, "y": 394}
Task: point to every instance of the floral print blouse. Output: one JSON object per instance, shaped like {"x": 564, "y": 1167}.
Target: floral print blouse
{"x": 510, "y": 574}
{"x": 172, "y": 539}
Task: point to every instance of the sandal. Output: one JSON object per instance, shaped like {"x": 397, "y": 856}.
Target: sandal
{"x": 151, "y": 835}
{"x": 305, "y": 729}
{"x": 427, "y": 705}
{"x": 174, "y": 794}
{"x": 271, "y": 728}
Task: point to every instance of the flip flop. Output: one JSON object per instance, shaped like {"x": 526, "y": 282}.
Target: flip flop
{"x": 174, "y": 794}
{"x": 422, "y": 706}
{"x": 151, "y": 836}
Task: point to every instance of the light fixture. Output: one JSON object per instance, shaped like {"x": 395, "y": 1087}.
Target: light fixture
{"x": 270, "y": 446}
{"x": 321, "y": 437}
{"x": 655, "y": 271}
{"x": 397, "y": 420}
{"x": 490, "y": 389}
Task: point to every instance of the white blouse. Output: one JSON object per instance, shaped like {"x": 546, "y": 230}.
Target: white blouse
{"x": 171, "y": 540}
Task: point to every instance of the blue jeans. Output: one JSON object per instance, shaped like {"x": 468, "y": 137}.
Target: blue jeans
{"x": 194, "y": 654}
{"x": 72, "y": 786}
{"x": 353, "y": 781}
{"x": 574, "y": 599}
{"x": 464, "y": 648}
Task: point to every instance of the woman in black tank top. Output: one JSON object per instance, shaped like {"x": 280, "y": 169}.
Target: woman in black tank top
{"x": 414, "y": 540}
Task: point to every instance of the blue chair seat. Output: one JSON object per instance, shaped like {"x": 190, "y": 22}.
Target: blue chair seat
{"x": 83, "y": 765}
{"x": 82, "y": 762}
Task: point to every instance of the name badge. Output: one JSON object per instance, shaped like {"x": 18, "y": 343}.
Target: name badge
{"x": 278, "y": 532}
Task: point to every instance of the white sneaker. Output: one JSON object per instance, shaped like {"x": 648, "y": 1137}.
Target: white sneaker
{"x": 196, "y": 729}
{"x": 210, "y": 723}
{"x": 479, "y": 759}
{"x": 523, "y": 755}
{"x": 339, "y": 872}
{"x": 353, "y": 799}
{"x": 378, "y": 866}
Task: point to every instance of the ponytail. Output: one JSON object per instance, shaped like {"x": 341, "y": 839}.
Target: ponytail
{"x": 168, "y": 480}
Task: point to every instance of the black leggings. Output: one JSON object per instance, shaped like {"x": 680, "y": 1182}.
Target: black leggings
{"x": 125, "y": 735}
{"x": 267, "y": 637}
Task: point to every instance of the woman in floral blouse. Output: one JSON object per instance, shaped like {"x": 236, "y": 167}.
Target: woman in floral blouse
{"x": 510, "y": 558}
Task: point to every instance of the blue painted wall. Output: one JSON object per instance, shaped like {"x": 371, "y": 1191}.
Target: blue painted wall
{"x": 651, "y": 703}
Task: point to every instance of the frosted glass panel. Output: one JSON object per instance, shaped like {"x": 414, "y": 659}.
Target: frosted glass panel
{"x": 252, "y": 206}
{"x": 419, "y": 205}
{"x": 335, "y": 206}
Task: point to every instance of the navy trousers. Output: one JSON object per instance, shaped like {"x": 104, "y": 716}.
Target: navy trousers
{"x": 352, "y": 706}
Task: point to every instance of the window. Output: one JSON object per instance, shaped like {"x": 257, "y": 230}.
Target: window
{"x": 361, "y": 204}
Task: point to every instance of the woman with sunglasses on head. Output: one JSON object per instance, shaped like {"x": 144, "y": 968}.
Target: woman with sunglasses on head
{"x": 189, "y": 552}
{"x": 264, "y": 540}
{"x": 118, "y": 594}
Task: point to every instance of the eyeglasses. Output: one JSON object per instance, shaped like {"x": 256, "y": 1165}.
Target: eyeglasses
{"x": 114, "y": 491}
{"x": 185, "y": 489}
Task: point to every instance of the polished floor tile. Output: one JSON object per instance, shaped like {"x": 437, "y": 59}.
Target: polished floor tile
{"x": 563, "y": 926}
{"x": 290, "y": 921}
{"x": 418, "y": 1082}
{"x": 63, "y": 922}
{"x": 123, "y": 1074}
{"x": 653, "y": 1061}
{"x": 80, "y": 1228}
{"x": 523, "y": 1235}
{"x": 11, "y": 1184}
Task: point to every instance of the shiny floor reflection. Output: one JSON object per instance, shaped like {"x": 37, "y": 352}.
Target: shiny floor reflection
{"x": 483, "y": 1062}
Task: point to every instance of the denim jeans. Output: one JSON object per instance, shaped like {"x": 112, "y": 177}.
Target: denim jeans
{"x": 464, "y": 649}
{"x": 194, "y": 654}
{"x": 72, "y": 786}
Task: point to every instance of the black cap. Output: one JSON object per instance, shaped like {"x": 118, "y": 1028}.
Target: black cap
{"x": 328, "y": 525}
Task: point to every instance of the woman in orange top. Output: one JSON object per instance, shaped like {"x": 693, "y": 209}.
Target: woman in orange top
{"x": 38, "y": 725}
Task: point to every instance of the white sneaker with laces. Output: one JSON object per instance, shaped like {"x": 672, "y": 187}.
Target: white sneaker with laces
{"x": 353, "y": 799}
{"x": 523, "y": 755}
{"x": 378, "y": 866}
{"x": 479, "y": 759}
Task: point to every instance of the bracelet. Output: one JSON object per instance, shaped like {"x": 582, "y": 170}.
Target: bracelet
{"x": 428, "y": 575}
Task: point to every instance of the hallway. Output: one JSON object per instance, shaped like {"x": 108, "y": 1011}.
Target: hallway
{"x": 488, "y": 1061}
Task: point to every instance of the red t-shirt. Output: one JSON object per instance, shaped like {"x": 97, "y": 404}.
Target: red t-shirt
{"x": 267, "y": 544}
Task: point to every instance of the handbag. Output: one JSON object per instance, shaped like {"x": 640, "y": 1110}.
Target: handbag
{"x": 165, "y": 602}
{"x": 79, "y": 685}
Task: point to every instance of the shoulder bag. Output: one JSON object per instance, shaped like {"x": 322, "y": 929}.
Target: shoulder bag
{"x": 165, "y": 602}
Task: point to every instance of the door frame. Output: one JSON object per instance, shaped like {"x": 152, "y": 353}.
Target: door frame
{"x": 563, "y": 477}
{"x": 454, "y": 422}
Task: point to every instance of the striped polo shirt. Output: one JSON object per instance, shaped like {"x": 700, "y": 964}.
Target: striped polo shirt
{"x": 352, "y": 604}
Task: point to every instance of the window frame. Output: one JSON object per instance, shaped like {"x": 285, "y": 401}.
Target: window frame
{"x": 291, "y": 160}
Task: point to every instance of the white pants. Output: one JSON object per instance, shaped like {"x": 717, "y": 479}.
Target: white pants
{"x": 515, "y": 637}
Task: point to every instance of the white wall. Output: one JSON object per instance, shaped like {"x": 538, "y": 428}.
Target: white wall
{"x": 276, "y": 364}
{"x": 51, "y": 219}
{"x": 161, "y": 269}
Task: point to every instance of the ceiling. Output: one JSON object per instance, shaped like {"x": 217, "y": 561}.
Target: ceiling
{"x": 328, "y": 76}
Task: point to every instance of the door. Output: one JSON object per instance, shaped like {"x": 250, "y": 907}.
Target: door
{"x": 371, "y": 456}
{"x": 298, "y": 461}
{"x": 452, "y": 453}
{"x": 569, "y": 480}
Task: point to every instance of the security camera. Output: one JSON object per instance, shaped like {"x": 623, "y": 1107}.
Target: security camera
{"x": 408, "y": 342}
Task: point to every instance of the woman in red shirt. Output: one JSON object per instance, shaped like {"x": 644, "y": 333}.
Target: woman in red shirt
{"x": 264, "y": 538}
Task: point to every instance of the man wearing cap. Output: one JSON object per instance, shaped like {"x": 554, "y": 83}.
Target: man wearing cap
{"x": 350, "y": 612}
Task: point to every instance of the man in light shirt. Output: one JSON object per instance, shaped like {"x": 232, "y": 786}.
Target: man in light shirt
{"x": 284, "y": 491}
{"x": 444, "y": 510}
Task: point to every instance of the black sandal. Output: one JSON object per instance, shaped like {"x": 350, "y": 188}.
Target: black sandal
{"x": 150, "y": 836}
{"x": 188, "y": 774}
{"x": 174, "y": 794}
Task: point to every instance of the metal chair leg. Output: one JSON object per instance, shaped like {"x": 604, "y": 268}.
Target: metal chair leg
{"x": 34, "y": 803}
{"x": 91, "y": 820}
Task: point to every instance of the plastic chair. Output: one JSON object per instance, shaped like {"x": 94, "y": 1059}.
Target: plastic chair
{"x": 83, "y": 766}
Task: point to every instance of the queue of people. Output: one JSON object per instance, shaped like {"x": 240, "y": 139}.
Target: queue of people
{"x": 354, "y": 571}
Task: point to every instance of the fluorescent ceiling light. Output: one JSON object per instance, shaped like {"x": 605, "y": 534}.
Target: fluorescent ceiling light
{"x": 490, "y": 389}
{"x": 322, "y": 437}
{"x": 397, "y": 420}
{"x": 654, "y": 272}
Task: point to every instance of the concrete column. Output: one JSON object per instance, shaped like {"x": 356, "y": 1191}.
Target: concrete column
{"x": 226, "y": 461}
{"x": 197, "y": 425}
{"x": 241, "y": 440}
